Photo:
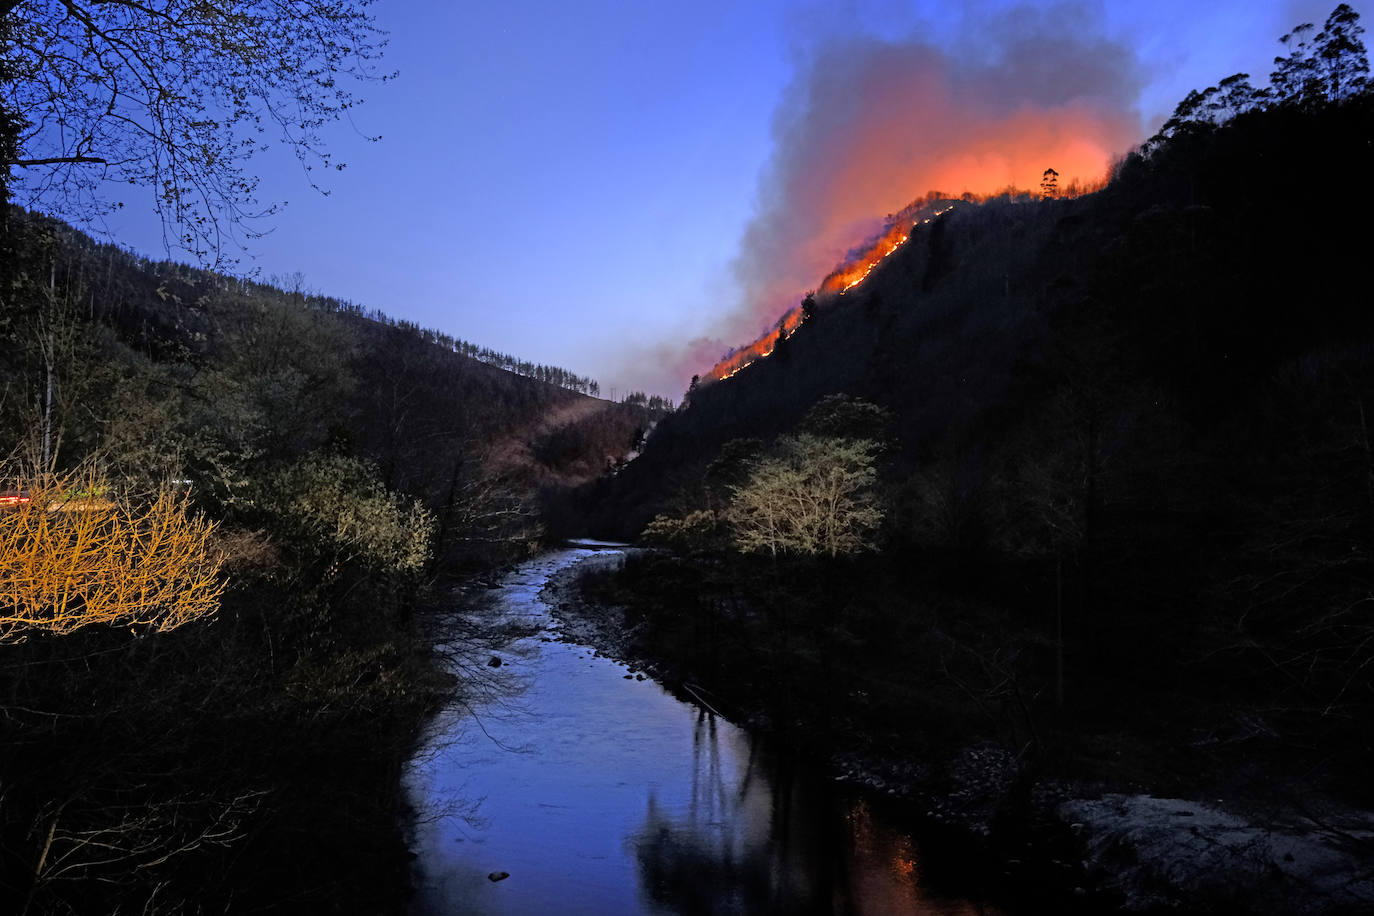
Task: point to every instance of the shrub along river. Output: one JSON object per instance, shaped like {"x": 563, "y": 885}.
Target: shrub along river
{"x": 578, "y": 787}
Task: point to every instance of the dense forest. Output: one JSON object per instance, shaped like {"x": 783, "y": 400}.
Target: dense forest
{"x": 1089, "y": 479}
{"x": 221, "y": 718}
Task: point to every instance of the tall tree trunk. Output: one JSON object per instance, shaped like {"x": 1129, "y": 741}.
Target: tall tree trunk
{"x": 1059, "y": 632}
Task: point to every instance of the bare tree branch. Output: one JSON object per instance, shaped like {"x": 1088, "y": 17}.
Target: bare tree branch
{"x": 54, "y": 160}
{"x": 175, "y": 96}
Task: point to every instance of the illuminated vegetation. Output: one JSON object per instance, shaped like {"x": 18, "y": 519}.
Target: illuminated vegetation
{"x": 71, "y": 557}
{"x": 811, "y": 495}
{"x": 337, "y": 501}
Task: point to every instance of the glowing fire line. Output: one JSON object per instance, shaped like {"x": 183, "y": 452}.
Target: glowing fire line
{"x": 789, "y": 323}
{"x": 864, "y": 276}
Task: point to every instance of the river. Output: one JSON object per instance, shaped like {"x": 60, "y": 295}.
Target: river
{"x": 593, "y": 791}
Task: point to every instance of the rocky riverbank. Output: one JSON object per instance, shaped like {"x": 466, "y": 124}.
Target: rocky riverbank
{"x": 1062, "y": 843}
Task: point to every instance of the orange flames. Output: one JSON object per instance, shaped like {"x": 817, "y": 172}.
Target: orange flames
{"x": 737, "y": 359}
{"x": 886, "y": 245}
{"x": 861, "y": 263}
{"x": 855, "y": 269}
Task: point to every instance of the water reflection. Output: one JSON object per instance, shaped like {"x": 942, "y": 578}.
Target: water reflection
{"x": 776, "y": 840}
{"x": 599, "y": 794}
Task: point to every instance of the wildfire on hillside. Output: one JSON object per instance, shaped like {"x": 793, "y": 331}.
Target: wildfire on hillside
{"x": 859, "y": 263}
{"x": 980, "y": 115}
{"x": 737, "y": 359}
{"x": 854, "y": 271}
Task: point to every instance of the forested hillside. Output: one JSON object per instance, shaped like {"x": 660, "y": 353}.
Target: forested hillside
{"x": 227, "y": 505}
{"x": 1120, "y": 450}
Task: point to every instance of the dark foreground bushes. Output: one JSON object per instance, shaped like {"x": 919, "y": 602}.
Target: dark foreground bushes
{"x": 910, "y": 660}
{"x": 246, "y": 763}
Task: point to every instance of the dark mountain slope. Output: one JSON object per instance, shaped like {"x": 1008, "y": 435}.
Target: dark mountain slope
{"x": 167, "y": 369}
{"x": 1139, "y": 418}
{"x": 1200, "y": 272}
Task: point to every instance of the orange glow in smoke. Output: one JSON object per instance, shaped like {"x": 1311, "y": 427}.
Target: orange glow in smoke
{"x": 860, "y": 263}
{"x": 868, "y": 121}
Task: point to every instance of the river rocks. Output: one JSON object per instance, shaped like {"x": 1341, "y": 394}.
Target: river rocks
{"x": 981, "y": 778}
{"x": 1167, "y": 853}
{"x": 587, "y": 624}
{"x": 967, "y": 793}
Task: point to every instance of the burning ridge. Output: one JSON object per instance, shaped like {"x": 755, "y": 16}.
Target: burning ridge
{"x": 858, "y": 263}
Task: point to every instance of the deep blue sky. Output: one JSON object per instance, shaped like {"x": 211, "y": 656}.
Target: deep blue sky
{"x": 570, "y": 182}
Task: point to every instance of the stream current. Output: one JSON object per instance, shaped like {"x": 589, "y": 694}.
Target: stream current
{"x": 597, "y": 793}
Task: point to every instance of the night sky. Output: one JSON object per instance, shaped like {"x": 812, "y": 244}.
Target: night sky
{"x": 623, "y": 189}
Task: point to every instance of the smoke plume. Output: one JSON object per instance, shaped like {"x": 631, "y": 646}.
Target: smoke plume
{"x": 868, "y": 125}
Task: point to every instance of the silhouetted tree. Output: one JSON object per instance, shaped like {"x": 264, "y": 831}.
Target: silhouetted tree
{"x": 1342, "y": 63}
{"x": 164, "y": 94}
{"x": 1049, "y": 184}
{"x": 1330, "y": 66}
{"x": 1234, "y": 95}
{"x": 782, "y": 348}
{"x": 1294, "y": 80}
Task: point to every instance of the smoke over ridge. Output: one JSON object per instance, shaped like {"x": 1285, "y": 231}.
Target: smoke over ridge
{"x": 869, "y": 124}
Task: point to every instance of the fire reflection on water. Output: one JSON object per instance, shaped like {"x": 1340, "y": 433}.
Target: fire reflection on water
{"x": 774, "y": 840}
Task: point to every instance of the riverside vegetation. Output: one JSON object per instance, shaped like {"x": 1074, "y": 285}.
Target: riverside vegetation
{"x": 224, "y": 503}
{"x": 216, "y": 627}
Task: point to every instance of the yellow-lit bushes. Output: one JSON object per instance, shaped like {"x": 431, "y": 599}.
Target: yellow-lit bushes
{"x": 78, "y": 553}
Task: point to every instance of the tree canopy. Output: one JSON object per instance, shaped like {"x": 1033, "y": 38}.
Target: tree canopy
{"x": 1324, "y": 67}
{"x": 175, "y": 96}
{"x": 813, "y": 495}
{"x": 1332, "y": 65}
